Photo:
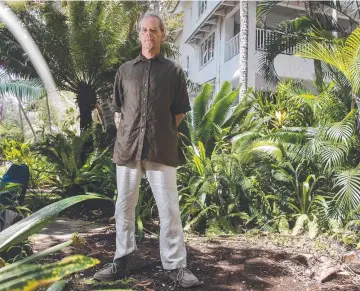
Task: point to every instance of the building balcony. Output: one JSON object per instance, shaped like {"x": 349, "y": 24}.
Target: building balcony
{"x": 286, "y": 64}
{"x": 263, "y": 36}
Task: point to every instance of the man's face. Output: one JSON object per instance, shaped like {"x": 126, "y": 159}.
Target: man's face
{"x": 151, "y": 35}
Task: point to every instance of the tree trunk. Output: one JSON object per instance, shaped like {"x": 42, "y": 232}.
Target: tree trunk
{"x": 106, "y": 112}
{"x": 27, "y": 119}
{"x": 243, "y": 56}
{"x": 48, "y": 110}
{"x": 21, "y": 121}
{"x": 86, "y": 99}
{"x": 319, "y": 76}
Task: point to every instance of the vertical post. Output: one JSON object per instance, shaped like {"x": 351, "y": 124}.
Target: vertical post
{"x": 218, "y": 47}
{"x": 334, "y": 14}
{"x": 243, "y": 55}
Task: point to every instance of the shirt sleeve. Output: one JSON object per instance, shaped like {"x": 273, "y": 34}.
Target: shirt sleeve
{"x": 117, "y": 94}
{"x": 181, "y": 102}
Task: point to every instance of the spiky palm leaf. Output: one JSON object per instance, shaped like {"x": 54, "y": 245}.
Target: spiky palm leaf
{"x": 200, "y": 105}
{"x": 347, "y": 197}
{"x": 343, "y": 56}
{"x": 217, "y": 114}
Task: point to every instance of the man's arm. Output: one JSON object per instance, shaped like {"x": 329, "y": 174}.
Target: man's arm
{"x": 181, "y": 103}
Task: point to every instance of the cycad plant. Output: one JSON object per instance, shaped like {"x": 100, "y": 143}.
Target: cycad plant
{"x": 76, "y": 170}
{"x": 214, "y": 118}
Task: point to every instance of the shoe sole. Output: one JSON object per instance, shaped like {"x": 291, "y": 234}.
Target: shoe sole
{"x": 189, "y": 285}
{"x": 119, "y": 277}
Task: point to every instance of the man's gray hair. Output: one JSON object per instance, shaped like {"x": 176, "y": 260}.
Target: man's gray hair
{"x": 163, "y": 27}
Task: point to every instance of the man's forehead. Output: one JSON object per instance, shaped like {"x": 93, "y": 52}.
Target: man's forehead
{"x": 150, "y": 21}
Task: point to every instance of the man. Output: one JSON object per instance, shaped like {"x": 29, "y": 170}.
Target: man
{"x": 150, "y": 101}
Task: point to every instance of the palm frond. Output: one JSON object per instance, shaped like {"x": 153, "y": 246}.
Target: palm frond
{"x": 224, "y": 91}
{"x": 200, "y": 105}
{"x": 347, "y": 197}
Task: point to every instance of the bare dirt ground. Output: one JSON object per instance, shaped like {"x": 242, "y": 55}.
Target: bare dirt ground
{"x": 241, "y": 262}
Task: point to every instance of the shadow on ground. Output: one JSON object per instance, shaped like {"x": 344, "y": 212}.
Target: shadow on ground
{"x": 222, "y": 264}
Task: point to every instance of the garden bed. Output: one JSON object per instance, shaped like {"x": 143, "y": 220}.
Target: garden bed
{"x": 243, "y": 262}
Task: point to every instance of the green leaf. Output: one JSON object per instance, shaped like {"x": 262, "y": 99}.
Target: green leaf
{"x": 300, "y": 224}
{"x": 38, "y": 220}
{"x": 140, "y": 227}
{"x": 35, "y": 257}
{"x": 200, "y": 105}
{"x": 32, "y": 277}
{"x": 313, "y": 228}
{"x": 224, "y": 91}
{"x": 283, "y": 226}
{"x": 57, "y": 286}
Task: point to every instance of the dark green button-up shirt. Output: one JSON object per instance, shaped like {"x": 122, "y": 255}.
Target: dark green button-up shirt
{"x": 148, "y": 94}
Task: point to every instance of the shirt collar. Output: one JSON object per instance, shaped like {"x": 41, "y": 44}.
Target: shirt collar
{"x": 140, "y": 57}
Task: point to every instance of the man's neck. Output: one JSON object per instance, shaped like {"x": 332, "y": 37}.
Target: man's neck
{"x": 149, "y": 54}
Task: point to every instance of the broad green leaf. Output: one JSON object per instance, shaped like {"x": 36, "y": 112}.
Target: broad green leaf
{"x": 57, "y": 286}
{"x": 38, "y": 220}
{"x": 35, "y": 257}
{"x": 32, "y": 277}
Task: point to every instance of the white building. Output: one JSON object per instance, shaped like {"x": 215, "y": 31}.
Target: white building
{"x": 209, "y": 42}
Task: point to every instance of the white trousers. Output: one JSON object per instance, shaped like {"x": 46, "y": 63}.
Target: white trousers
{"x": 162, "y": 180}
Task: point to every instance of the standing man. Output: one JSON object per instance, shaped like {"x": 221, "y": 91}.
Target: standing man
{"x": 150, "y": 101}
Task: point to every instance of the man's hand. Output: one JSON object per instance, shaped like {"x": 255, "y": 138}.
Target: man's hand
{"x": 179, "y": 118}
{"x": 117, "y": 119}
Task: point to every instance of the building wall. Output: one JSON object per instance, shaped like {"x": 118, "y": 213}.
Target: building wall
{"x": 287, "y": 66}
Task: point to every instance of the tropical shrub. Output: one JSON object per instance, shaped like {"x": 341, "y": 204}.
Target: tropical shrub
{"x": 77, "y": 169}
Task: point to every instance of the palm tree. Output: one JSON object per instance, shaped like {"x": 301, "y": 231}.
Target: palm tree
{"x": 21, "y": 89}
{"x": 84, "y": 43}
{"x": 341, "y": 57}
{"x": 243, "y": 56}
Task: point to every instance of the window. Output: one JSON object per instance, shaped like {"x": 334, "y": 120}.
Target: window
{"x": 236, "y": 28}
{"x": 207, "y": 50}
{"x": 202, "y": 6}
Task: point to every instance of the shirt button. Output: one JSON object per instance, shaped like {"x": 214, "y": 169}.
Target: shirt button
{"x": 142, "y": 129}
{"x": 145, "y": 85}
{"x": 143, "y": 114}
{"x": 144, "y": 99}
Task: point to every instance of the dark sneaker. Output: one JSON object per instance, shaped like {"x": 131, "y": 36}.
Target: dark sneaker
{"x": 184, "y": 277}
{"x": 112, "y": 272}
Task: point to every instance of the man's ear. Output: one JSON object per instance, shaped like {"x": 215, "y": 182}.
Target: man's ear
{"x": 163, "y": 39}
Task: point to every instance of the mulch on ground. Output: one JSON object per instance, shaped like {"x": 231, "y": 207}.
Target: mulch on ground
{"x": 222, "y": 263}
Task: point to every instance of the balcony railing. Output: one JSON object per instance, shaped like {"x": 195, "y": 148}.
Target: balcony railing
{"x": 232, "y": 47}
{"x": 263, "y": 36}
